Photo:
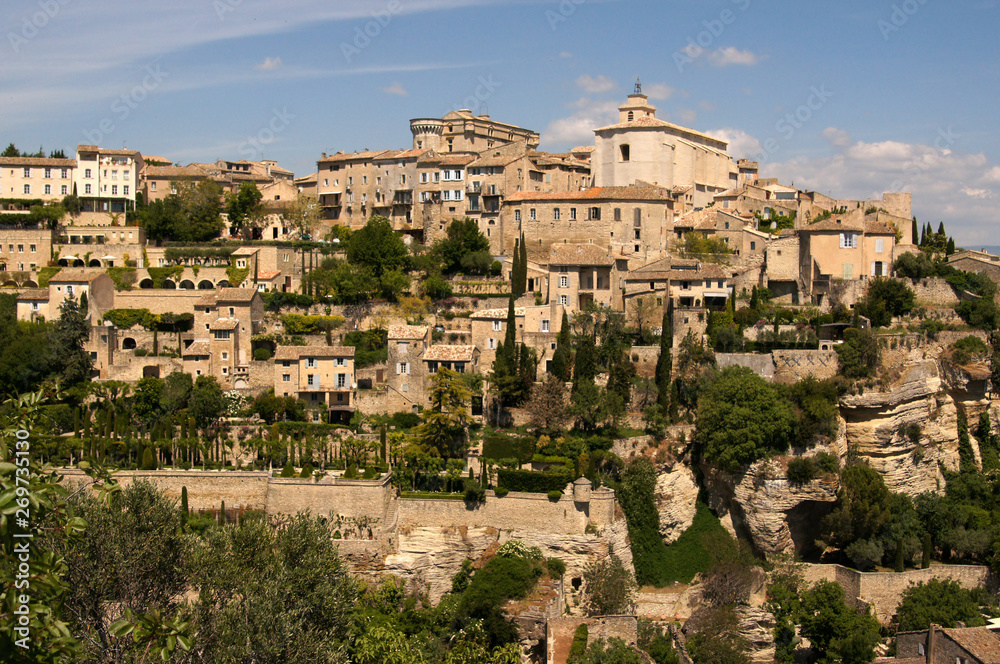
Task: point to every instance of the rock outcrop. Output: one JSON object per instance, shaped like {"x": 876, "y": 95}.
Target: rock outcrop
{"x": 763, "y": 506}
{"x": 676, "y": 496}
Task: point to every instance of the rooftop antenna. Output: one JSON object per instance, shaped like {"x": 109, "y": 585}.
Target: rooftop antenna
{"x": 638, "y": 86}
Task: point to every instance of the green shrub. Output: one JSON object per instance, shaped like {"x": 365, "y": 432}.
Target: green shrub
{"x": 530, "y": 481}
{"x": 288, "y": 470}
{"x": 801, "y": 470}
{"x": 500, "y": 492}
{"x": 370, "y": 473}
{"x": 555, "y": 495}
{"x": 579, "y": 645}
{"x": 967, "y": 349}
{"x": 404, "y": 420}
{"x": 261, "y": 354}
{"x": 556, "y": 567}
{"x": 982, "y": 313}
{"x": 474, "y": 492}
{"x": 141, "y": 352}
{"x": 505, "y": 447}
{"x": 351, "y": 473}
{"x": 307, "y": 471}
{"x": 827, "y": 463}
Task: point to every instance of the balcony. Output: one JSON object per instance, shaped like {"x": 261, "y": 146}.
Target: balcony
{"x": 474, "y": 187}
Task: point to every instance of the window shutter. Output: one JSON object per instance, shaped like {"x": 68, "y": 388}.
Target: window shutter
{"x": 398, "y": 368}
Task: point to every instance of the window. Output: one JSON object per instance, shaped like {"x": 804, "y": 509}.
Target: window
{"x": 64, "y": 173}
{"x": 879, "y": 246}
{"x": 225, "y": 355}
{"x": 497, "y": 326}
{"x": 86, "y": 189}
{"x": 48, "y": 173}
{"x": 125, "y": 190}
{"x": 555, "y": 214}
{"x": 572, "y": 214}
{"x": 403, "y": 368}
{"x": 423, "y": 178}
{"x": 491, "y": 343}
{"x": 114, "y": 190}
{"x": 625, "y": 151}
{"x": 27, "y": 172}
{"x": 286, "y": 378}
{"x": 64, "y": 189}
{"x": 221, "y": 335}
{"x": 618, "y": 214}
{"x": 341, "y": 381}
{"x": 848, "y": 270}
{"x": 544, "y": 326}
{"x": 595, "y": 213}
{"x": 20, "y": 248}
{"x": 517, "y": 216}
{"x": 432, "y": 367}
{"x": 152, "y": 186}
{"x": 563, "y": 281}
{"x": 340, "y": 362}
{"x": 531, "y": 214}
{"x": 564, "y": 300}
{"x": 848, "y": 240}
{"x": 631, "y": 116}
{"x": 364, "y": 179}
{"x": 310, "y": 363}
{"x": 403, "y": 347}
{"x": 48, "y": 189}
{"x": 310, "y": 378}
{"x": 753, "y": 246}
{"x": 87, "y": 173}
{"x": 27, "y": 188}
{"x": 31, "y": 248}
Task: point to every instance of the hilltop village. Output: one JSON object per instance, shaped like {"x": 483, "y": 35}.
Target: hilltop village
{"x": 713, "y": 416}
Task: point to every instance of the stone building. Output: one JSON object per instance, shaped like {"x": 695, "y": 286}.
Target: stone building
{"x": 322, "y": 376}
{"x": 107, "y": 180}
{"x": 843, "y": 247}
{"x": 73, "y": 283}
{"x": 35, "y": 179}
{"x": 224, "y": 322}
{"x": 628, "y": 221}
{"x": 960, "y": 645}
{"x": 24, "y": 249}
{"x": 642, "y": 148}
{"x": 688, "y": 284}
{"x": 584, "y": 274}
{"x": 406, "y": 370}
{"x": 461, "y": 131}
{"x": 537, "y": 327}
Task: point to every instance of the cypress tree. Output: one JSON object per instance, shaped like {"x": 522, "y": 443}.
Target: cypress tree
{"x": 523, "y": 262}
{"x": 940, "y": 230}
{"x": 966, "y": 460}
{"x": 951, "y": 247}
{"x": 148, "y": 463}
{"x": 222, "y": 514}
{"x": 562, "y": 357}
{"x": 585, "y": 363}
{"x": 923, "y": 235}
{"x": 914, "y": 234}
{"x": 665, "y": 363}
{"x": 900, "y": 562}
{"x": 925, "y": 558}
{"x": 515, "y": 268}
{"x": 76, "y": 423}
{"x": 184, "y": 502}
{"x": 381, "y": 442}
{"x": 675, "y": 400}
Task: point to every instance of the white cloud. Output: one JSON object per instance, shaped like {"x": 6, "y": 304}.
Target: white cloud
{"x": 578, "y": 128}
{"x": 592, "y": 85}
{"x": 565, "y": 54}
{"x": 269, "y": 64}
{"x": 947, "y": 185}
{"x": 658, "y": 91}
{"x": 837, "y": 137}
{"x": 741, "y": 144}
{"x": 396, "y": 89}
{"x": 730, "y": 55}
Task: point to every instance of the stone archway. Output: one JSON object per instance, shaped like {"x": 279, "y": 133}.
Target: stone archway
{"x": 146, "y": 283}
{"x": 187, "y": 284}
{"x": 205, "y": 284}
{"x": 151, "y": 371}
{"x": 128, "y": 343}
{"x": 168, "y": 285}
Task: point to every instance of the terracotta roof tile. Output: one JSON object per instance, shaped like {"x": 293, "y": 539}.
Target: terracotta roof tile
{"x": 407, "y": 332}
{"x": 980, "y": 642}
{"x": 76, "y": 275}
{"x": 34, "y": 294}
{"x": 298, "y": 352}
{"x": 38, "y": 161}
{"x": 496, "y": 314}
{"x": 352, "y": 156}
{"x": 197, "y": 348}
{"x": 446, "y": 353}
{"x": 225, "y": 324}
{"x": 236, "y": 294}
{"x": 579, "y": 254}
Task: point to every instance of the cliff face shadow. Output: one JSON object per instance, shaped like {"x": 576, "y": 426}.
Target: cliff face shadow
{"x": 805, "y": 522}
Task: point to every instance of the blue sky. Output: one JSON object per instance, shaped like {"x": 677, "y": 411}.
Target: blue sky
{"x": 851, "y": 98}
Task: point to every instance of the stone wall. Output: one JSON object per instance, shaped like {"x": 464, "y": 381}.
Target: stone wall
{"x": 515, "y": 511}
{"x": 883, "y": 590}
{"x": 932, "y": 291}
{"x": 560, "y": 633}
{"x": 762, "y": 365}
{"x": 206, "y": 489}
{"x": 644, "y": 358}
{"x": 159, "y": 301}
{"x": 794, "y": 365}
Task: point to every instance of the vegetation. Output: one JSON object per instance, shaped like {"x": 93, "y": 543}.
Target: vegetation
{"x": 884, "y": 299}
{"x": 190, "y": 215}
{"x": 609, "y": 588}
{"x": 942, "y": 602}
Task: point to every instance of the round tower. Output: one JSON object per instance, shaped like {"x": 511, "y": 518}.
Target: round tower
{"x": 426, "y": 133}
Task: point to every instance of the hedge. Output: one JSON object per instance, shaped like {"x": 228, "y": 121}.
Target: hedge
{"x": 504, "y": 447}
{"x": 530, "y": 481}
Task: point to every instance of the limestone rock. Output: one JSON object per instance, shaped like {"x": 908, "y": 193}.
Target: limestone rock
{"x": 765, "y": 507}
{"x": 676, "y": 494}
{"x": 757, "y": 627}
{"x": 434, "y": 555}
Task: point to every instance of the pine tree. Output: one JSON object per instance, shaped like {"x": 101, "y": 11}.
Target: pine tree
{"x": 665, "y": 363}
{"x": 562, "y": 357}
{"x": 514, "y": 367}
{"x": 941, "y": 233}
{"x": 914, "y": 234}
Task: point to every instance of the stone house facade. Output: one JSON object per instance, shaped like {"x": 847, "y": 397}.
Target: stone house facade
{"x": 321, "y": 376}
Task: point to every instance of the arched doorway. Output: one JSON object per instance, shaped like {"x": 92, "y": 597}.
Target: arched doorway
{"x": 168, "y": 285}
{"x": 205, "y": 284}
{"x": 187, "y": 284}
{"x": 146, "y": 283}
{"x": 128, "y": 343}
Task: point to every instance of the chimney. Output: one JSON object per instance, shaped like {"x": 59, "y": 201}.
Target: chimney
{"x": 931, "y": 643}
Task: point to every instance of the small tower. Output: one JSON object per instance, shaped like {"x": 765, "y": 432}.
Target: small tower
{"x": 636, "y": 107}
{"x": 581, "y": 490}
